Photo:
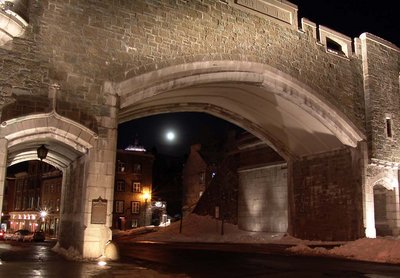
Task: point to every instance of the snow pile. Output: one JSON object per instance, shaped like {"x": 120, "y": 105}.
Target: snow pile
{"x": 385, "y": 249}
{"x": 197, "y": 228}
{"x": 71, "y": 253}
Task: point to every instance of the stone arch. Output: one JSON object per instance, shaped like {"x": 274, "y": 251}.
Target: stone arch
{"x": 66, "y": 139}
{"x": 243, "y": 93}
{"x": 386, "y": 206}
{"x": 69, "y": 144}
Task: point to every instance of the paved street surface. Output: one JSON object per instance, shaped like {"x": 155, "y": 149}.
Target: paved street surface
{"x": 146, "y": 259}
{"x": 23, "y": 259}
{"x": 245, "y": 260}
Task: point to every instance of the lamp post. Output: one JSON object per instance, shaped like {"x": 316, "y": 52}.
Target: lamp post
{"x": 146, "y": 196}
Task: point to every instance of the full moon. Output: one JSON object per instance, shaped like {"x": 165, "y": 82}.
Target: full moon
{"x": 170, "y": 136}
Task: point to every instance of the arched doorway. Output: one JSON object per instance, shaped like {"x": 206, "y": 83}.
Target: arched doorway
{"x": 70, "y": 149}
{"x": 386, "y": 210}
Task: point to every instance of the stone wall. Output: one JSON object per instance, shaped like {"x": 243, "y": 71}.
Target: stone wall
{"x": 381, "y": 63}
{"x": 326, "y": 196}
{"x": 263, "y": 199}
{"x": 81, "y": 44}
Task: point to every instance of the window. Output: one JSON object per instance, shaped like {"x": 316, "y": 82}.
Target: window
{"x": 137, "y": 168}
{"x": 389, "y": 128}
{"x": 334, "y": 47}
{"x": 136, "y": 187}
{"x": 120, "y": 186}
{"x": 120, "y": 166}
{"x": 134, "y": 223}
{"x": 119, "y": 206}
{"x": 135, "y": 207}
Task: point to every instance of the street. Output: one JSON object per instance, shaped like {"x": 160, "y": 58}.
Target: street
{"x": 245, "y": 260}
{"x": 23, "y": 259}
{"x": 149, "y": 259}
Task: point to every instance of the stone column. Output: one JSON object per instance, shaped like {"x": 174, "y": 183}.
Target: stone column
{"x": 99, "y": 172}
{"x": 99, "y": 178}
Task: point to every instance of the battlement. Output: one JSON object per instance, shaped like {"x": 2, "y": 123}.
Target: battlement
{"x": 286, "y": 13}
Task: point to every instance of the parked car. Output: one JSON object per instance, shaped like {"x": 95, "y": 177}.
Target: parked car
{"x": 35, "y": 236}
{"x": 19, "y": 235}
{"x": 8, "y": 236}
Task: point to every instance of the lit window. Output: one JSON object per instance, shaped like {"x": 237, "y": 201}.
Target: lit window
{"x": 135, "y": 207}
{"x": 119, "y": 206}
{"x": 120, "y": 186}
{"x": 136, "y": 187}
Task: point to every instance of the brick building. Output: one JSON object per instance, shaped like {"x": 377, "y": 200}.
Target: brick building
{"x": 33, "y": 198}
{"x": 133, "y": 187}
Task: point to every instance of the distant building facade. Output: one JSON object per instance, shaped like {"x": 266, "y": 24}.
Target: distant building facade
{"x": 196, "y": 176}
{"x": 133, "y": 188}
{"x": 247, "y": 186}
{"x": 32, "y": 199}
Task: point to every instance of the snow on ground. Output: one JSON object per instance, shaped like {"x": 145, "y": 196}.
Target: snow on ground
{"x": 197, "y": 228}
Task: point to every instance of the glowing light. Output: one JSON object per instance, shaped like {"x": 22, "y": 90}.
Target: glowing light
{"x": 43, "y": 214}
{"x": 102, "y": 263}
{"x": 170, "y": 136}
{"x": 146, "y": 195}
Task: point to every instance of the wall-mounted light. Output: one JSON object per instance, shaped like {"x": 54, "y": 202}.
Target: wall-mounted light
{"x": 42, "y": 152}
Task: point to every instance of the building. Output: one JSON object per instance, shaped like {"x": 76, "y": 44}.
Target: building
{"x": 32, "y": 198}
{"x": 133, "y": 188}
{"x": 326, "y": 103}
{"x": 246, "y": 186}
{"x": 197, "y": 173}
{"x": 50, "y": 201}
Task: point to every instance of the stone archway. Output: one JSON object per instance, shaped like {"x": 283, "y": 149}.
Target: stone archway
{"x": 72, "y": 148}
{"x": 312, "y": 135}
{"x": 257, "y": 97}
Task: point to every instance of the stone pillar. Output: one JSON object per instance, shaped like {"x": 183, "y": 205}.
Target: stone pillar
{"x": 263, "y": 200}
{"x": 3, "y": 170}
{"x": 327, "y": 196}
{"x": 88, "y": 178}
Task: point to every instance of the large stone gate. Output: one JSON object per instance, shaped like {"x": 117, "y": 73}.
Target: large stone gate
{"x": 71, "y": 71}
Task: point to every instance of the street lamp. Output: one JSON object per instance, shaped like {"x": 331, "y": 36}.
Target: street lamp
{"x": 146, "y": 195}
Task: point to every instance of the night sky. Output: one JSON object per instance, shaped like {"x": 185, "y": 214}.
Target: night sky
{"x": 354, "y": 17}
{"x": 350, "y": 17}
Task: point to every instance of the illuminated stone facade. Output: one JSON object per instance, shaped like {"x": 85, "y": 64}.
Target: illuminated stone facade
{"x": 133, "y": 188}
{"x": 82, "y": 67}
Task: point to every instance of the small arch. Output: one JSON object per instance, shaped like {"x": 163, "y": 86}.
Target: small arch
{"x": 65, "y": 139}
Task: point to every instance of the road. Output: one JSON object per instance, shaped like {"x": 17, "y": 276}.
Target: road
{"x": 25, "y": 259}
{"x": 146, "y": 259}
{"x": 238, "y": 260}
